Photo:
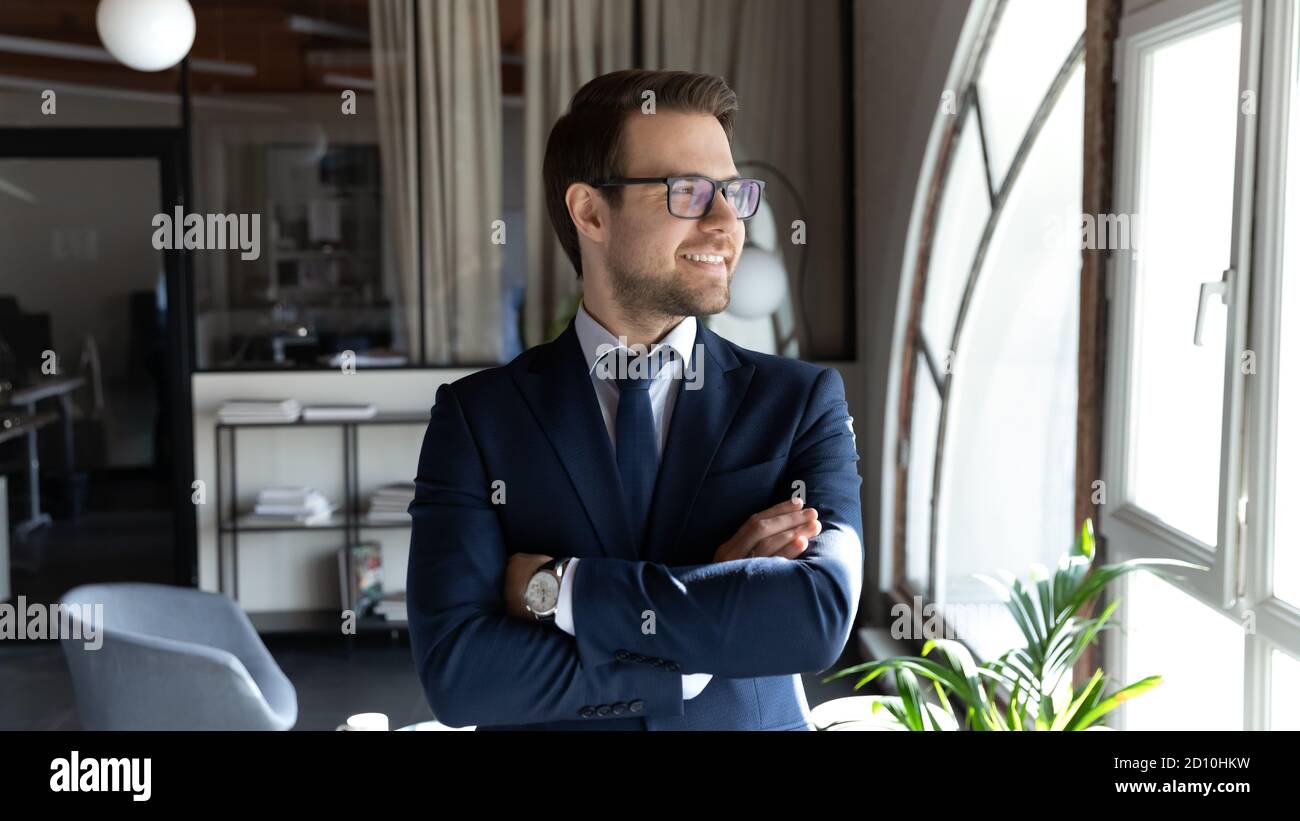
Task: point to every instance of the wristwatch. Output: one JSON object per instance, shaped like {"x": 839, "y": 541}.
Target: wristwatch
{"x": 542, "y": 593}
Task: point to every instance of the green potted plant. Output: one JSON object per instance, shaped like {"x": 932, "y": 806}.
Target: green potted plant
{"x": 1026, "y": 688}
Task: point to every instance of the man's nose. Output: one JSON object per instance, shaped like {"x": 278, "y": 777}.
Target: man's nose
{"x": 722, "y": 217}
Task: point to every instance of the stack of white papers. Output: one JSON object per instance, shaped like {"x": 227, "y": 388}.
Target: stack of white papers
{"x": 333, "y": 413}
{"x": 248, "y": 411}
{"x": 293, "y": 505}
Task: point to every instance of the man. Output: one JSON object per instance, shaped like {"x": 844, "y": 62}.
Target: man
{"x": 637, "y": 525}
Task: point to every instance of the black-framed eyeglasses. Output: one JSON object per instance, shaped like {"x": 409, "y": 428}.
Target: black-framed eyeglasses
{"x": 691, "y": 198}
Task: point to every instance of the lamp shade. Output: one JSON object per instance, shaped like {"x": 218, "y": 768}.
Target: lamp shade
{"x": 146, "y": 35}
{"x": 758, "y": 285}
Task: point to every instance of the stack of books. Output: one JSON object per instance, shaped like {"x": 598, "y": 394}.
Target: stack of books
{"x": 259, "y": 411}
{"x": 291, "y": 505}
{"x": 389, "y": 503}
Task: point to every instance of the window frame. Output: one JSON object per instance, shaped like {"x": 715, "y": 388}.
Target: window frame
{"x": 914, "y": 357}
{"x": 1136, "y": 532}
{"x": 1239, "y": 584}
{"x": 1277, "y": 623}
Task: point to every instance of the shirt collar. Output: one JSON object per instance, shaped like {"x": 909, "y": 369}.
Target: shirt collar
{"x": 596, "y": 339}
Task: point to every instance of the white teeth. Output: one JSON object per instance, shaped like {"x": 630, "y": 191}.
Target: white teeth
{"x": 710, "y": 258}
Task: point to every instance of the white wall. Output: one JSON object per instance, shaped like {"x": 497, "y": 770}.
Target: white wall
{"x": 903, "y": 53}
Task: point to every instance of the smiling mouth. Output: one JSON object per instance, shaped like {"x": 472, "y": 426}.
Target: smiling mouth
{"x": 710, "y": 262}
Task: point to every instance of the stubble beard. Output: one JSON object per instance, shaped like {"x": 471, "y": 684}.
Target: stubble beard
{"x": 639, "y": 292}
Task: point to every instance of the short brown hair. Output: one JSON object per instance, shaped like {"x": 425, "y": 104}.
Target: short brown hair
{"x": 584, "y": 143}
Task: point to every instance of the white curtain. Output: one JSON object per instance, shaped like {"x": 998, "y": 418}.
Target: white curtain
{"x": 566, "y": 43}
{"x": 459, "y": 109}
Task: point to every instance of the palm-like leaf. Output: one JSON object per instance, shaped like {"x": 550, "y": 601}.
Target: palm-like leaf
{"x": 1051, "y": 614}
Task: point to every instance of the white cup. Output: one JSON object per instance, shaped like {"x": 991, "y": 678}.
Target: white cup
{"x": 366, "y": 721}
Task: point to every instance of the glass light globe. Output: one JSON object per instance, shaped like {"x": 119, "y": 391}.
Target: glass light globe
{"x": 146, "y": 35}
{"x": 758, "y": 285}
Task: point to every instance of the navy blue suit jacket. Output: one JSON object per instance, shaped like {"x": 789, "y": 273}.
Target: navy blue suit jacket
{"x": 517, "y": 458}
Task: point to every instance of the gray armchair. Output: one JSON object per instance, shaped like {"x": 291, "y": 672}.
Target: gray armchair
{"x": 174, "y": 658}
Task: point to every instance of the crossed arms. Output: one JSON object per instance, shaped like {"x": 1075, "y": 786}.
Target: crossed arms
{"x": 739, "y": 618}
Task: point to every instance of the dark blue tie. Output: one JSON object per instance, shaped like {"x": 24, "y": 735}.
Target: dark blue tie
{"x": 636, "y": 446}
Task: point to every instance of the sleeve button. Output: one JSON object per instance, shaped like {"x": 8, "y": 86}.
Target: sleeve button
{"x": 621, "y": 655}
{"x": 587, "y": 712}
{"x": 618, "y": 708}
{"x": 603, "y": 710}
{"x": 636, "y": 705}
{"x": 671, "y": 666}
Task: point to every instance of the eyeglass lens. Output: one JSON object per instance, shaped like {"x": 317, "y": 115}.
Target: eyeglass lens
{"x": 690, "y": 197}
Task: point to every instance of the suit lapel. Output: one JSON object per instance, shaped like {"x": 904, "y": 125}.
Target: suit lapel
{"x": 707, "y": 401}
{"x": 558, "y": 389}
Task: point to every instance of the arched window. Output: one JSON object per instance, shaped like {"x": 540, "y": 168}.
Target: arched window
{"x": 987, "y": 391}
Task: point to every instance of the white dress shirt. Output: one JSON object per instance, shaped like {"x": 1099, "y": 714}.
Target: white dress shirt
{"x": 595, "y": 341}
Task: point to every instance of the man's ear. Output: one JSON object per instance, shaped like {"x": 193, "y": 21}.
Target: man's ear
{"x": 588, "y": 210}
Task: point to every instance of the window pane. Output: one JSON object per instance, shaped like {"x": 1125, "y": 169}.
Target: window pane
{"x": 1286, "y": 515}
{"x": 1008, "y": 488}
{"x": 1030, "y": 45}
{"x": 985, "y": 626}
{"x": 1199, "y": 654}
{"x": 1185, "y": 206}
{"x": 74, "y": 280}
{"x": 920, "y": 476}
{"x": 1284, "y": 704}
{"x": 334, "y": 271}
{"x": 379, "y": 228}
{"x": 962, "y": 216}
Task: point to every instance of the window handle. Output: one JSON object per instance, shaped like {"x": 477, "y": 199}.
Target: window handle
{"x": 1208, "y": 289}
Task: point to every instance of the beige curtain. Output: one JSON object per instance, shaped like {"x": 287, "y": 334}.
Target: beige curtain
{"x": 392, "y": 44}
{"x": 566, "y": 43}
{"x": 461, "y": 125}
{"x": 758, "y": 47}
{"x": 460, "y": 155}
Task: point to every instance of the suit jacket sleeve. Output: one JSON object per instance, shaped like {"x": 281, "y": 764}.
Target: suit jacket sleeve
{"x": 478, "y": 665}
{"x": 749, "y": 617}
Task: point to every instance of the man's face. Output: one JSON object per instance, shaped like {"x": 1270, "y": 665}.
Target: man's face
{"x": 648, "y": 252}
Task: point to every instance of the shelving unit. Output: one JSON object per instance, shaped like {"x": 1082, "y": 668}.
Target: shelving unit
{"x": 350, "y": 520}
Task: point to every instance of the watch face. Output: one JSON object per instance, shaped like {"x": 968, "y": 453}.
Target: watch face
{"x": 542, "y": 593}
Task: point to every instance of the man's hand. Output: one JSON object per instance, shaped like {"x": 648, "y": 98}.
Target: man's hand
{"x": 781, "y": 530}
{"x": 519, "y": 569}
